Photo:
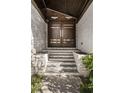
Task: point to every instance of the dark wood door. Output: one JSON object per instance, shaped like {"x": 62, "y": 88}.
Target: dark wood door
{"x": 68, "y": 35}
{"x": 54, "y": 35}
{"x": 61, "y": 34}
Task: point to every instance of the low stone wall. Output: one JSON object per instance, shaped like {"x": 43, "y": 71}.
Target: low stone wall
{"x": 38, "y": 62}
{"x": 80, "y": 66}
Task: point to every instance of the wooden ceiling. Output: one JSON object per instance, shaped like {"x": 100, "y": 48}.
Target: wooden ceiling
{"x": 74, "y": 8}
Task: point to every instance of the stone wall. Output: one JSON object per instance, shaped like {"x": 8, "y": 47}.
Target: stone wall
{"x": 38, "y": 27}
{"x": 38, "y": 62}
{"x": 80, "y": 66}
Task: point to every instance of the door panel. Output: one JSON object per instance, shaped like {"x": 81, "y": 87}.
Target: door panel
{"x": 68, "y": 35}
{"x": 54, "y": 39}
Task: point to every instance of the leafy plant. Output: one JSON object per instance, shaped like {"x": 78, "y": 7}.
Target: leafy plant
{"x": 36, "y": 83}
{"x": 87, "y": 85}
{"x": 88, "y": 62}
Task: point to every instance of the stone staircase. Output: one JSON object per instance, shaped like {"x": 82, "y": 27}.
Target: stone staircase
{"x": 61, "y": 62}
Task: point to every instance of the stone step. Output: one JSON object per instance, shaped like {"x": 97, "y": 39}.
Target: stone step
{"x": 61, "y": 74}
{"x": 62, "y": 68}
{"x": 62, "y": 56}
{"x": 72, "y": 70}
{"x": 61, "y": 48}
{"x": 60, "y": 53}
{"x": 61, "y": 65}
{"x": 68, "y": 65}
{"x": 56, "y": 69}
{"x": 68, "y": 62}
{"x": 60, "y": 59}
{"x": 61, "y": 62}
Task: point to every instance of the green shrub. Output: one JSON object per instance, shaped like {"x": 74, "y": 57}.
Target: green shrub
{"x": 88, "y": 62}
{"x": 87, "y": 86}
{"x": 36, "y": 83}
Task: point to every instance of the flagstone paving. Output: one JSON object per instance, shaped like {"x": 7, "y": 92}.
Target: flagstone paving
{"x": 61, "y": 84}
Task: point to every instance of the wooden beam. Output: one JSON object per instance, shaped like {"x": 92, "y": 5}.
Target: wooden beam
{"x": 44, "y": 3}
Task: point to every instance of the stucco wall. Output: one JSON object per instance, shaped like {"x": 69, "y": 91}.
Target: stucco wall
{"x": 38, "y": 27}
{"x": 85, "y": 31}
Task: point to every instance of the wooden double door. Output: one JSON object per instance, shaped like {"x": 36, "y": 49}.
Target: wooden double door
{"x": 61, "y": 34}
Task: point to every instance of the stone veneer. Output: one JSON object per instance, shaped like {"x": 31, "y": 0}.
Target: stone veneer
{"x": 38, "y": 62}
{"x": 80, "y": 66}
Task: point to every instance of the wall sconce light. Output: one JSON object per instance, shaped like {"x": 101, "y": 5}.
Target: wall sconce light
{"x": 67, "y": 17}
{"x": 81, "y": 43}
{"x": 54, "y": 17}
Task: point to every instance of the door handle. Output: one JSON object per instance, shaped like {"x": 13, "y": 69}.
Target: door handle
{"x": 60, "y": 33}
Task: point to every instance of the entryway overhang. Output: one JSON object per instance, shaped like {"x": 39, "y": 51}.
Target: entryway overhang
{"x": 74, "y": 8}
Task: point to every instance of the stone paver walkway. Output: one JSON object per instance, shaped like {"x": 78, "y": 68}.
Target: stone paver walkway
{"x": 61, "y": 84}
